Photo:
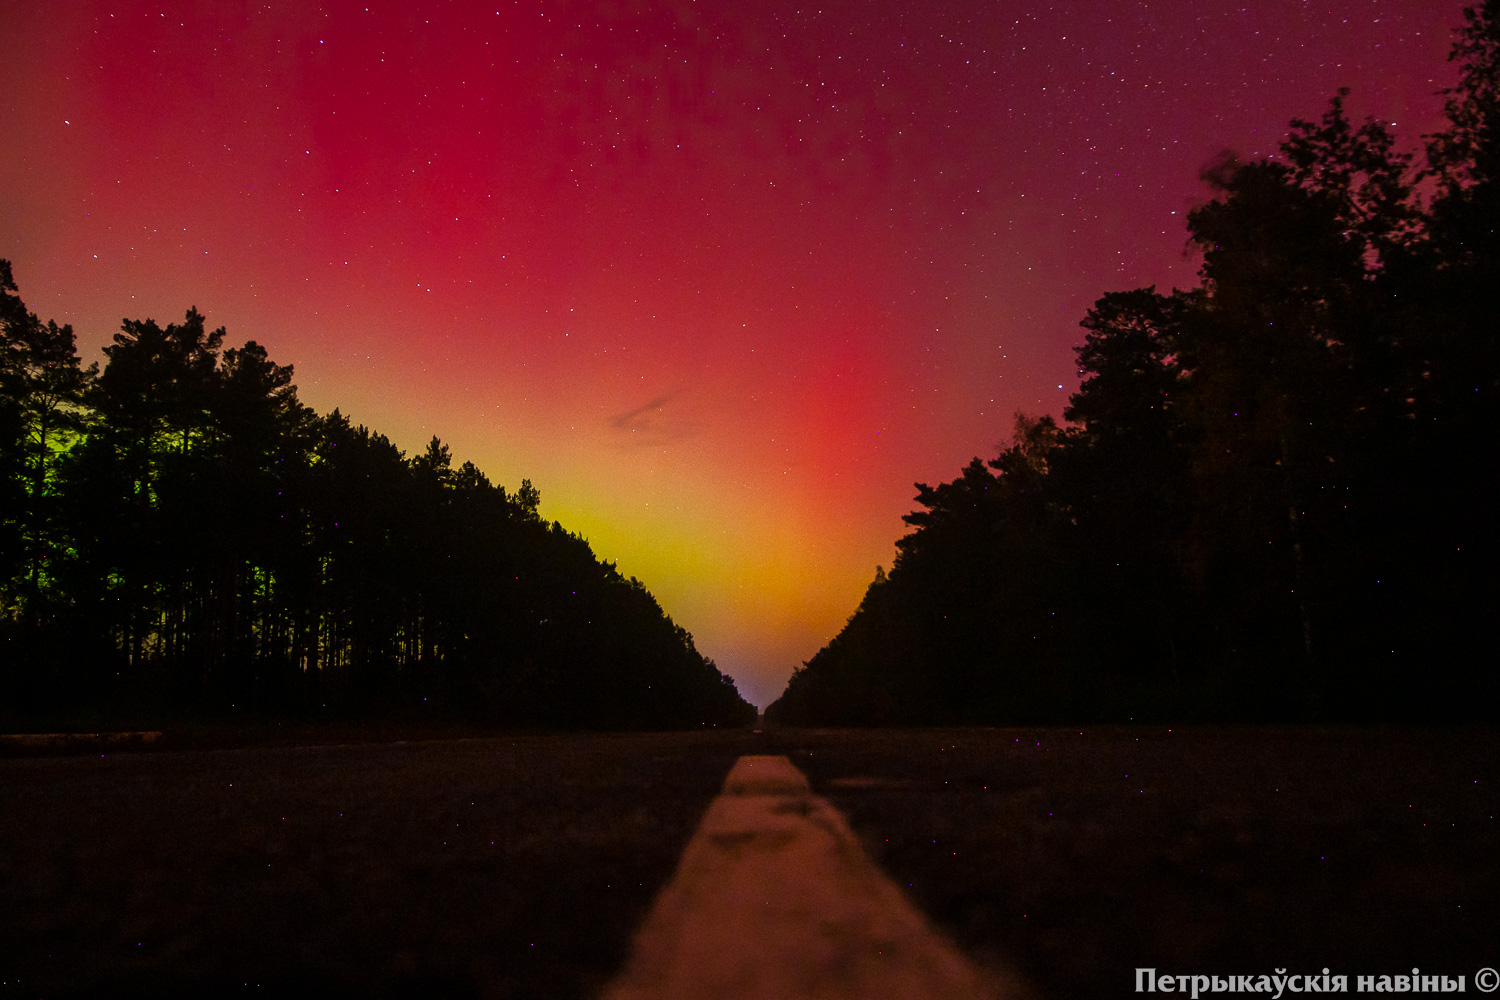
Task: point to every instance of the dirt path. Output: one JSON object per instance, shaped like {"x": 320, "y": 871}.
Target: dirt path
{"x": 775, "y": 900}
{"x": 521, "y": 866}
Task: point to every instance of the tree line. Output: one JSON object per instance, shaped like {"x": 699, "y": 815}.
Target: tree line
{"x": 178, "y": 531}
{"x": 1274, "y": 496}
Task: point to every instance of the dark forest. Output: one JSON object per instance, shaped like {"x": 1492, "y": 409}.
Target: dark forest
{"x": 179, "y": 533}
{"x": 1274, "y": 496}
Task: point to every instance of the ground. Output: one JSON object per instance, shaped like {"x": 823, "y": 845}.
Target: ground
{"x": 508, "y": 867}
{"x": 518, "y": 865}
{"x": 1078, "y": 855}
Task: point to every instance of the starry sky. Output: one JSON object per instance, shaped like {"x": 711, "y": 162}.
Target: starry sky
{"x": 722, "y": 279}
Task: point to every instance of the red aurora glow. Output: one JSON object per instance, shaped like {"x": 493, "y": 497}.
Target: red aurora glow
{"x": 721, "y": 279}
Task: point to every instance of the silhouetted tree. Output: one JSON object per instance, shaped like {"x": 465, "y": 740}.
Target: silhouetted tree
{"x": 181, "y": 530}
{"x": 41, "y": 391}
{"x": 1270, "y": 502}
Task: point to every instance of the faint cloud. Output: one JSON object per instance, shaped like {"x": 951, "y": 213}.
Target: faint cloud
{"x": 653, "y": 423}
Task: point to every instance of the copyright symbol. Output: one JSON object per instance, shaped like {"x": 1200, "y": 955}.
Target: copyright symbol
{"x": 1486, "y": 980}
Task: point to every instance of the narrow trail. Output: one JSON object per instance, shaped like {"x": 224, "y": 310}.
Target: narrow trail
{"x": 774, "y": 898}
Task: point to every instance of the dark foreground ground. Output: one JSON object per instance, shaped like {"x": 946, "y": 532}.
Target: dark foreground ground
{"x": 518, "y": 866}
{"x": 1076, "y": 856}
{"x": 498, "y": 867}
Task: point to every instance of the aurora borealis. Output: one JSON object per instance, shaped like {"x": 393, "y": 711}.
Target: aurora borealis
{"x": 722, "y": 280}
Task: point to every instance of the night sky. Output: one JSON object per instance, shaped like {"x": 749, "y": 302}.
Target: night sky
{"x": 721, "y": 279}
